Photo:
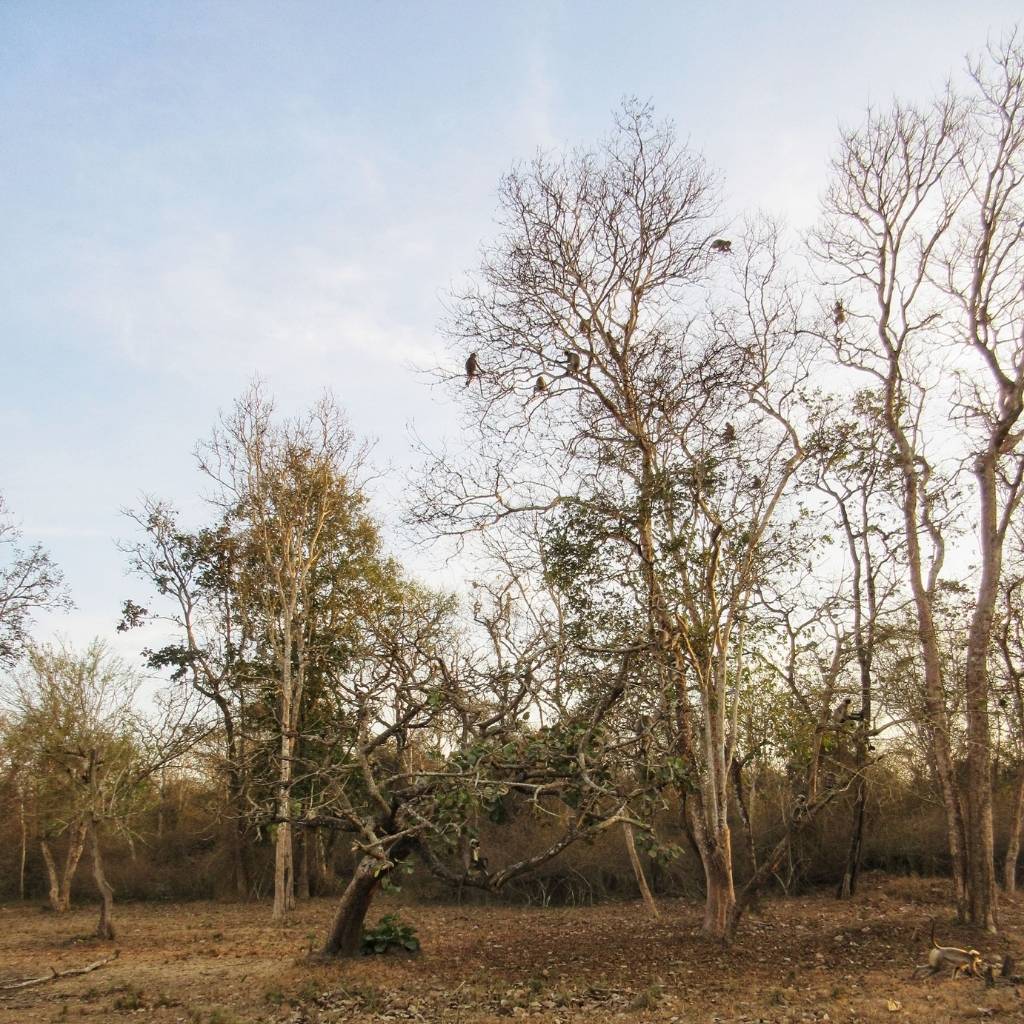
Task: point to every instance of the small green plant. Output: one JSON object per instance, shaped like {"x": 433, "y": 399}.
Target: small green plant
{"x": 389, "y": 933}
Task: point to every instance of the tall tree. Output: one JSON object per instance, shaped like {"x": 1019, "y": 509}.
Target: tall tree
{"x": 922, "y": 237}
{"x": 289, "y": 488}
{"x": 633, "y": 394}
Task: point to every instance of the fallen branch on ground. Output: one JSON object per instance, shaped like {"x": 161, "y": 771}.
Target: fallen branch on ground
{"x": 53, "y": 975}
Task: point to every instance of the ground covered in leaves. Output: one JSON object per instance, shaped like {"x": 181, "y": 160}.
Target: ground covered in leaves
{"x": 801, "y": 960}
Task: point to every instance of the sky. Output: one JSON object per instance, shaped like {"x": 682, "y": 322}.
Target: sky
{"x": 195, "y": 194}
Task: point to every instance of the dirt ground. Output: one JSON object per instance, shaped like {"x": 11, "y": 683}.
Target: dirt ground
{"x": 807, "y": 959}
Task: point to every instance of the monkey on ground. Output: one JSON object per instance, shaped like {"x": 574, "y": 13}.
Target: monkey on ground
{"x": 962, "y": 961}
{"x": 472, "y": 368}
{"x": 721, "y": 245}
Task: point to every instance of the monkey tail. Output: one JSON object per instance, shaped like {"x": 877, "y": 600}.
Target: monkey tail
{"x": 935, "y": 945}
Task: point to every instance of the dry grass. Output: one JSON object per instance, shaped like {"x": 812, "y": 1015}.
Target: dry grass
{"x": 801, "y": 960}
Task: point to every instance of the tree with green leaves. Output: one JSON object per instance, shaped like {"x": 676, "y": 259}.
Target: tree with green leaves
{"x": 88, "y": 753}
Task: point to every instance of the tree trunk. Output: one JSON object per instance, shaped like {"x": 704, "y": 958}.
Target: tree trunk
{"x": 241, "y": 877}
{"x": 24, "y": 843}
{"x": 1013, "y": 840}
{"x": 105, "y": 927}
{"x": 744, "y": 811}
{"x": 848, "y": 885}
{"x": 284, "y": 879}
{"x": 60, "y": 884}
{"x": 721, "y": 894}
{"x": 638, "y": 870}
{"x": 325, "y": 877}
{"x": 982, "y": 894}
{"x": 302, "y": 870}
{"x": 347, "y": 930}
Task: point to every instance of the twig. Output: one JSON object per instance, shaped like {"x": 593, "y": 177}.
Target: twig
{"x": 53, "y": 975}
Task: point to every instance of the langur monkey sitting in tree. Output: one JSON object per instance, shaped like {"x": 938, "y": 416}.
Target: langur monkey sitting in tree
{"x": 721, "y": 245}
{"x": 572, "y": 361}
{"x": 962, "y": 961}
{"x": 477, "y": 861}
{"x": 842, "y": 712}
{"x": 472, "y": 368}
{"x": 541, "y": 386}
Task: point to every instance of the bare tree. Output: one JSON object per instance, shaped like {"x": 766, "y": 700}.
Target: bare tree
{"x": 922, "y": 239}
{"x": 635, "y": 397}
{"x": 29, "y": 582}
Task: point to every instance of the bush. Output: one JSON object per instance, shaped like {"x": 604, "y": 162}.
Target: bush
{"x": 390, "y": 933}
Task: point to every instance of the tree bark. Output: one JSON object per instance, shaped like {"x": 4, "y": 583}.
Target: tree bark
{"x": 982, "y": 893}
{"x": 848, "y": 884}
{"x": 721, "y": 893}
{"x": 105, "y": 926}
{"x": 638, "y": 870}
{"x": 1013, "y": 840}
{"x": 302, "y": 870}
{"x": 60, "y": 884}
{"x": 346, "y": 932}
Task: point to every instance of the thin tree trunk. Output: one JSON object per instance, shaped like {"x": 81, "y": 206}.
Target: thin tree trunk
{"x": 51, "y": 873}
{"x": 302, "y": 872}
{"x": 24, "y": 843}
{"x": 638, "y": 870}
{"x": 346, "y": 932}
{"x": 745, "y": 817}
{"x": 1013, "y": 843}
{"x": 848, "y": 884}
{"x": 105, "y": 926}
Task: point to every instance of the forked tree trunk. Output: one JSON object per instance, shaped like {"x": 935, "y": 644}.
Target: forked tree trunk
{"x": 638, "y": 870}
{"x": 347, "y": 930}
{"x": 1013, "y": 840}
{"x": 60, "y": 883}
{"x": 105, "y": 926}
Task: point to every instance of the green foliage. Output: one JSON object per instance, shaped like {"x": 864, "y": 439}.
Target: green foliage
{"x": 390, "y": 933}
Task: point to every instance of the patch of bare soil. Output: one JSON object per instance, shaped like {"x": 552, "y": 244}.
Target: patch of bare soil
{"x": 807, "y": 959}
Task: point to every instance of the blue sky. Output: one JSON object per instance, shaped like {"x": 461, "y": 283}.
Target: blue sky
{"x": 194, "y": 193}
